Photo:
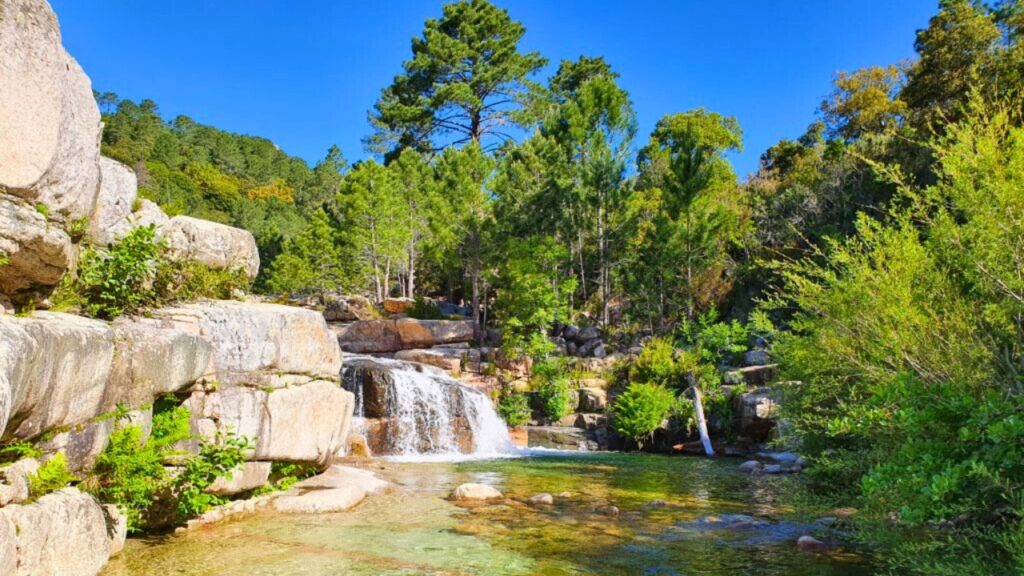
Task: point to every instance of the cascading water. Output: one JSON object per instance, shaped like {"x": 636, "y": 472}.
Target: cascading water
{"x": 412, "y": 411}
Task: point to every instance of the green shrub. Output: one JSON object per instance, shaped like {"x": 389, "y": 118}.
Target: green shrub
{"x": 641, "y": 409}
{"x": 51, "y": 476}
{"x": 552, "y": 389}
{"x": 185, "y": 281}
{"x": 657, "y": 363}
{"x": 18, "y": 449}
{"x": 423, "y": 309}
{"x": 119, "y": 280}
{"x": 514, "y": 409}
{"x": 283, "y": 475}
{"x": 131, "y": 473}
{"x": 43, "y": 209}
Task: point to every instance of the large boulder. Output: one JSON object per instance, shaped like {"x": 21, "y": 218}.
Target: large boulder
{"x": 149, "y": 214}
{"x": 257, "y": 343}
{"x": 756, "y": 413}
{"x": 66, "y": 533}
{"x": 307, "y": 423}
{"x": 337, "y": 489}
{"x": 49, "y": 122}
{"x": 449, "y": 360}
{"x": 246, "y": 476}
{"x": 216, "y": 245}
{"x": 398, "y": 305}
{"x": 151, "y": 360}
{"x": 37, "y": 252}
{"x": 377, "y": 336}
{"x": 118, "y": 192}
{"x": 54, "y": 370}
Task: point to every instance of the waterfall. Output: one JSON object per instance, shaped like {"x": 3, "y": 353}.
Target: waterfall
{"x": 412, "y": 411}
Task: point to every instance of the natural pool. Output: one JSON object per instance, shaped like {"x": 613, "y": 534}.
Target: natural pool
{"x": 678, "y": 516}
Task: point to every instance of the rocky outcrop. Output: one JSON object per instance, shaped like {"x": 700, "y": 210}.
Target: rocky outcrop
{"x": 307, "y": 423}
{"x": 117, "y": 195}
{"x": 398, "y": 305}
{"x": 259, "y": 344}
{"x": 338, "y": 308}
{"x": 593, "y": 400}
{"x": 49, "y": 122}
{"x": 66, "y": 533}
{"x": 379, "y": 336}
{"x": 151, "y": 359}
{"x": 447, "y": 359}
{"x": 215, "y": 245}
{"x": 337, "y": 489}
{"x": 37, "y": 252}
{"x": 247, "y": 476}
{"x": 149, "y": 214}
{"x": 54, "y": 370}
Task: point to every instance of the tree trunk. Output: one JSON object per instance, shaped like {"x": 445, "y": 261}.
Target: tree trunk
{"x": 702, "y": 424}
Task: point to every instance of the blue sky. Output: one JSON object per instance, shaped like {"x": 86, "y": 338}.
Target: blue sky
{"x": 304, "y": 74}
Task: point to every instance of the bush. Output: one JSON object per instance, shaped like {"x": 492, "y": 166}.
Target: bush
{"x": 18, "y": 449}
{"x": 514, "y": 409}
{"x": 119, "y": 280}
{"x": 553, "y": 389}
{"x": 130, "y": 472}
{"x": 51, "y": 476}
{"x": 423, "y": 309}
{"x": 641, "y": 409}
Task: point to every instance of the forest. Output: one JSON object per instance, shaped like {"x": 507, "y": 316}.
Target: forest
{"x": 881, "y": 252}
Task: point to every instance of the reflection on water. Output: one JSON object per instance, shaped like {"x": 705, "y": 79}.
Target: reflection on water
{"x": 678, "y": 516}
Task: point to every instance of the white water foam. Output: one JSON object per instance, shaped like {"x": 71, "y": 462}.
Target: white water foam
{"x": 422, "y": 407}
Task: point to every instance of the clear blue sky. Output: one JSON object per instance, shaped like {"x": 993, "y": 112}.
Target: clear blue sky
{"x": 304, "y": 74}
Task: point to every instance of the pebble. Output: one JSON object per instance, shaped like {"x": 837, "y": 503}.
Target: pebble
{"x": 540, "y": 499}
{"x": 811, "y": 544}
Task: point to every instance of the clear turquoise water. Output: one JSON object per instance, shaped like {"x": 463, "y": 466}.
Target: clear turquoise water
{"x": 678, "y": 516}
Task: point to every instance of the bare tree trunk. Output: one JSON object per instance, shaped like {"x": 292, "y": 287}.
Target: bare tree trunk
{"x": 387, "y": 277}
{"x": 475, "y": 279}
{"x": 702, "y": 424}
{"x": 411, "y": 285}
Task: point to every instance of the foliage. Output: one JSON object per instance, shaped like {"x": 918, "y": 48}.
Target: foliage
{"x": 552, "y": 389}
{"x": 657, "y": 363}
{"x": 119, "y": 280}
{"x": 423, "y": 309}
{"x": 50, "y": 477}
{"x": 311, "y": 262}
{"x": 908, "y": 342}
{"x": 17, "y": 449}
{"x": 641, "y": 409}
{"x": 461, "y": 84}
{"x": 514, "y": 408}
{"x": 131, "y": 473}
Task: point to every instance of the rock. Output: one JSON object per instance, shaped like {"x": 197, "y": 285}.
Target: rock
{"x": 588, "y": 333}
{"x": 565, "y": 494}
{"x": 756, "y": 358}
{"x": 54, "y": 370}
{"x": 811, "y": 544}
{"x": 83, "y": 444}
{"x": 349, "y": 309}
{"x": 8, "y": 545}
{"x": 149, "y": 214}
{"x": 751, "y": 466}
{"x": 259, "y": 344}
{"x": 398, "y": 305}
{"x": 447, "y": 360}
{"x": 378, "y": 336}
{"x": 307, "y": 423}
{"x": 610, "y": 511}
{"x": 37, "y": 252}
{"x": 64, "y": 533}
{"x": 117, "y": 528}
{"x": 590, "y": 421}
{"x": 449, "y": 309}
{"x": 560, "y": 438}
{"x": 246, "y": 476}
{"x": 844, "y": 512}
{"x": 570, "y": 348}
{"x": 15, "y": 477}
{"x": 593, "y": 400}
{"x": 337, "y": 489}
{"x": 589, "y": 347}
{"x": 773, "y": 469}
{"x": 356, "y": 446}
{"x": 471, "y": 491}
{"x": 757, "y": 375}
{"x": 570, "y": 332}
{"x": 117, "y": 194}
{"x": 756, "y": 412}
{"x": 151, "y": 359}
{"x": 216, "y": 245}
{"x": 49, "y": 122}
{"x": 599, "y": 352}
{"x": 541, "y": 499}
